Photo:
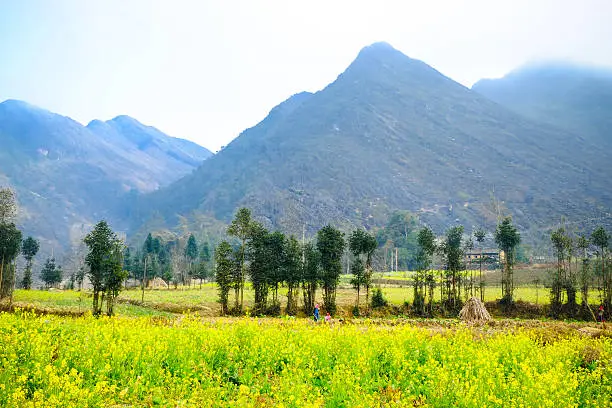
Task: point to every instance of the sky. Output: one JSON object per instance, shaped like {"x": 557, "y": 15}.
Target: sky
{"x": 207, "y": 70}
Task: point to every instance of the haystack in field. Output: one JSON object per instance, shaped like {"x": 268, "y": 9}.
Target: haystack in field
{"x": 474, "y": 311}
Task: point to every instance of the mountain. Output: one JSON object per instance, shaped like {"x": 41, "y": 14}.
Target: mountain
{"x": 390, "y": 133}
{"x": 572, "y": 97}
{"x": 68, "y": 176}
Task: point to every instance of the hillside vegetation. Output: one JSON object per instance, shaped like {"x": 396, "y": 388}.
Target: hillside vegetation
{"x": 68, "y": 176}
{"x": 391, "y": 133}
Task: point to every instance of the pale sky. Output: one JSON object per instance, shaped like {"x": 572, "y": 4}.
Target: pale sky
{"x": 206, "y": 70}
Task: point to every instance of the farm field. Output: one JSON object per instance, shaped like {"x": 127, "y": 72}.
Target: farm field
{"x": 204, "y": 301}
{"x": 56, "y": 361}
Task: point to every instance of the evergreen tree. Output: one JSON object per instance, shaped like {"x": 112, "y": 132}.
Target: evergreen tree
{"x": 559, "y": 240}
{"x": 292, "y": 272}
{"x": 362, "y": 245}
{"x": 330, "y": 244}
{"x": 259, "y": 266}
{"x": 29, "y": 249}
{"x": 51, "y": 274}
{"x": 600, "y": 239}
{"x": 585, "y": 270}
{"x": 453, "y": 256}
{"x": 507, "y": 239}
{"x": 105, "y": 262}
{"x": 480, "y": 235}
{"x": 241, "y": 228}
{"x": 225, "y": 265}
{"x": 425, "y": 279}
{"x": 191, "y": 253}
{"x": 10, "y": 246}
{"x": 310, "y": 276}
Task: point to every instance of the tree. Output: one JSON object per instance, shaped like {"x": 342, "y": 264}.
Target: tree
{"x": 362, "y": 245}
{"x": 330, "y": 244}
{"x": 507, "y": 238}
{"x": 191, "y": 252}
{"x": 600, "y": 239}
{"x": 241, "y": 228}
{"x": 10, "y": 246}
{"x": 480, "y": 234}
{"x": 105, "y": 262}
{"x": 426, "y": 248}
{"x": 582, "y": 243}
{"x": 468, "y": 248}
{"x": 259, "y": 266}
{"x": 223, "y": 272}
{"x": 29, "y": 249}
{"x": 292, "y": 272}
{"x": 310, "y": 276}
{"x": 452, "y": 250}
{"x": 203, "y": 267}
{"x": 559, "y": 240}
{"x": 51, "y": 274}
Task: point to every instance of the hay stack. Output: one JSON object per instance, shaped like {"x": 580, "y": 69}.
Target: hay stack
{"x": 474, "y": 311}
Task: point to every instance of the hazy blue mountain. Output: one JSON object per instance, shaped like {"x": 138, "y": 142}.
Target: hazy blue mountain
{"x": 391, "y": 133}
{"x": 68, "y": 176}
{"x": 569, "y": 96}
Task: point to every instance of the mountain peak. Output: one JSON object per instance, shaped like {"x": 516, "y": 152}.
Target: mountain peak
{"x": 18, "y": 104}
{"x": 379, "y": 51}
{"x": 125, "y": 120}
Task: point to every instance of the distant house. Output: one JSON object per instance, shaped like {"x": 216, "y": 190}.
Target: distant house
{"x": 488, "y": 255}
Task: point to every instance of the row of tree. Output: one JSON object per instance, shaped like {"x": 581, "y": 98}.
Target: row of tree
{"x": 271, "y": 260}
{"x": 175, "y": 261}
{"x": 567, "y": 280}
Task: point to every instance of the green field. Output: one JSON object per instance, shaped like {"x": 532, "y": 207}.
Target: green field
{"x": 204, "y": 301}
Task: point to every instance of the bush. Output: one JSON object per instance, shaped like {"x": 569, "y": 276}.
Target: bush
{"x": 378, "y": 299}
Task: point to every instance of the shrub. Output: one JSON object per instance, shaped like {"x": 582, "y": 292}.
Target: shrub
{"x": 378, "y": 299}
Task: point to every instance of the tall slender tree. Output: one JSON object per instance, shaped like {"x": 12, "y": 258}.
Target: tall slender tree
{"x": 292, "y": 272}
{"x": 480, "y": 235}
{"x": 453, "y": 253}
{"x": 10, "y": 246}
{"x": 191, "y": 254}
{"x": 330, "y": 244}
{"x": 29, "y": 249}
{"x": 311, "y": 276}
{"x": 600, "y": 239}
{"x": 51, "y": 274}
{"x": 105, "y": 262}
{"x": 426, "y": 248}
{"x": 241, "y": 228}
{"x": 362, "y": 245}
{"x": 224, "y": 267}
{"x": 507, "y": 239}
{"x": 582, "y": 244}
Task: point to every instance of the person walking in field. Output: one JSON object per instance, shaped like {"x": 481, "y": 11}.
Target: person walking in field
{"x": 600, "y": 314}
{"x": 316, "y": 313}
{"x": 327, "y": 318}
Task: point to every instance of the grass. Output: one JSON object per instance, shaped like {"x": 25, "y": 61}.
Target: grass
{"x": 204, "y": 301}
{"x": 73, "y": 302}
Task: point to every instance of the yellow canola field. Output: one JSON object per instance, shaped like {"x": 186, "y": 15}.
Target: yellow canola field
{"x": 48, "y": 361}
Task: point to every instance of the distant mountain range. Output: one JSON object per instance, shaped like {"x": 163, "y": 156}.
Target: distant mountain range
{"x": 69, "y": 176}
{"x": 575, "y": 98}
{"x": 389, "y": 133}
{"x": 393, "y": 133}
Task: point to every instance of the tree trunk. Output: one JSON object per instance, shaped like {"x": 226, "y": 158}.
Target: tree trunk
{"x": 95, "y": 301}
